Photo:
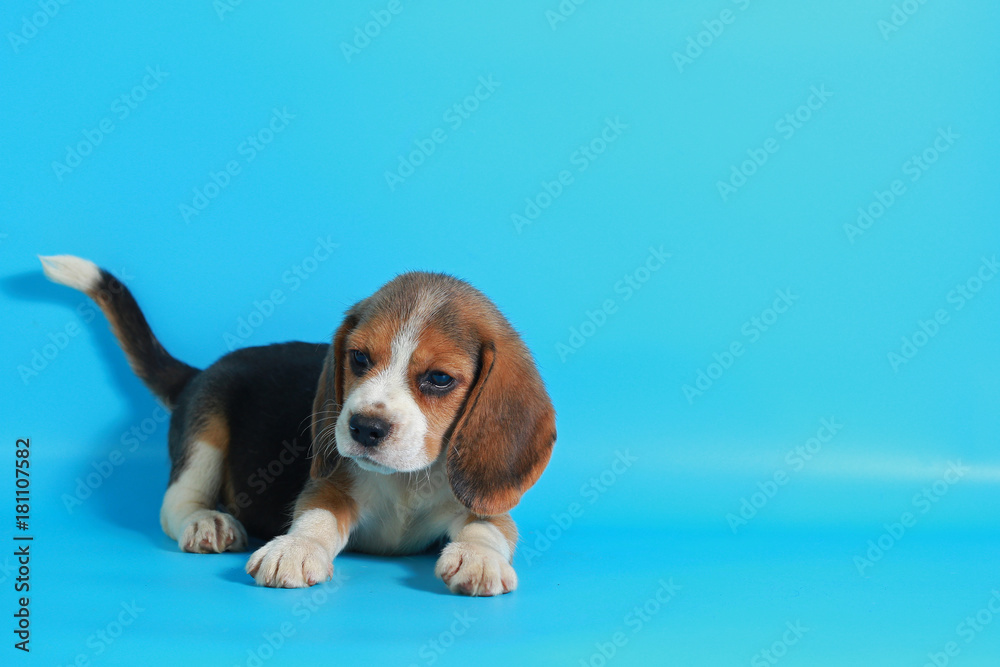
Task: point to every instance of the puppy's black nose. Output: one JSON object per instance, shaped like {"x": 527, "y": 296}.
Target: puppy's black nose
{"x": 368, "y": 431}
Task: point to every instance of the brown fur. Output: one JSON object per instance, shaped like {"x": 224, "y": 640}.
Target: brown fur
{"x": 326, "y": 406}
{"x": 503, "y": 523}
{"x": 504, "y": 438}
{"x": 214, "y": 431}
{"x": 334, "y": 495}
{"x": 437, "y": 350}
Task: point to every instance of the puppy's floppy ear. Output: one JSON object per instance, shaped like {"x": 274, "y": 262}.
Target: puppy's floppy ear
{"x": 503, "y": 438}
{"x": 326, "y": 405}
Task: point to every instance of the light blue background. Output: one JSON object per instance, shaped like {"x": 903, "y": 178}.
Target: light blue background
{"x": 663, "y": 518}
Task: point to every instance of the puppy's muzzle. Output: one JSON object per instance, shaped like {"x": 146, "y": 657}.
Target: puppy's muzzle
{"x": 368, "y": 431}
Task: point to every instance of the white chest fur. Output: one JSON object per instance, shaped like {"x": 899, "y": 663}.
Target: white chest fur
{"x": 402, "y": 513}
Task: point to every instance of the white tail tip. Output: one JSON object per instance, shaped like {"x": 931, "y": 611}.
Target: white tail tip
{"x": 75, "y": 272}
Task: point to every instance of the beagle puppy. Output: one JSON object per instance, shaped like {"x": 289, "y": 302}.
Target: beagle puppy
{"x": 420, "y": 426}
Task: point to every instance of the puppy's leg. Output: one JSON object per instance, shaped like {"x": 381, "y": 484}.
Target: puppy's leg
{"x": 324, "y": 516}
{"x": 477, "y": 561}
{"x": 188, "y": 514}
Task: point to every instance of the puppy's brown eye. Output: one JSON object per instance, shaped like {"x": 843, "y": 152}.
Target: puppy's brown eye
{"x": 359, "y": 362}
{"x": 437, "y": 383}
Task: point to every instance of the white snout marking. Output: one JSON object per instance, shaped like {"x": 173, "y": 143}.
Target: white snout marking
{"x": 387, "y": 395}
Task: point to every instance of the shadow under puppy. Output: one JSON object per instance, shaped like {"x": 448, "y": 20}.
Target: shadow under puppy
{"x": 426, "y": 420}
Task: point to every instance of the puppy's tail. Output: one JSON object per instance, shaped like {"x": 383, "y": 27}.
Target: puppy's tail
{"x": 163, "y": 374}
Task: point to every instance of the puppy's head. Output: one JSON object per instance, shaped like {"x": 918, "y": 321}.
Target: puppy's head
{"x": 428, "y": 367}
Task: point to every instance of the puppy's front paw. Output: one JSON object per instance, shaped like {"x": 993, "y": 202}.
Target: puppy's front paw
{"x": 472, "y": 569}
{"x": 211, "y": 532}
{"x": 289, "y": 561}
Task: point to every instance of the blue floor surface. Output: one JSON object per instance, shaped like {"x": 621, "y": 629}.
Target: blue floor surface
{"x": 603, "y": 585}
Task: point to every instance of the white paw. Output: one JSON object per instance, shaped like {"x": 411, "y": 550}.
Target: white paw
{"x": 288, "y": 561}
{"x": 472, "y": 569}
{"x": 211, "y": 532}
